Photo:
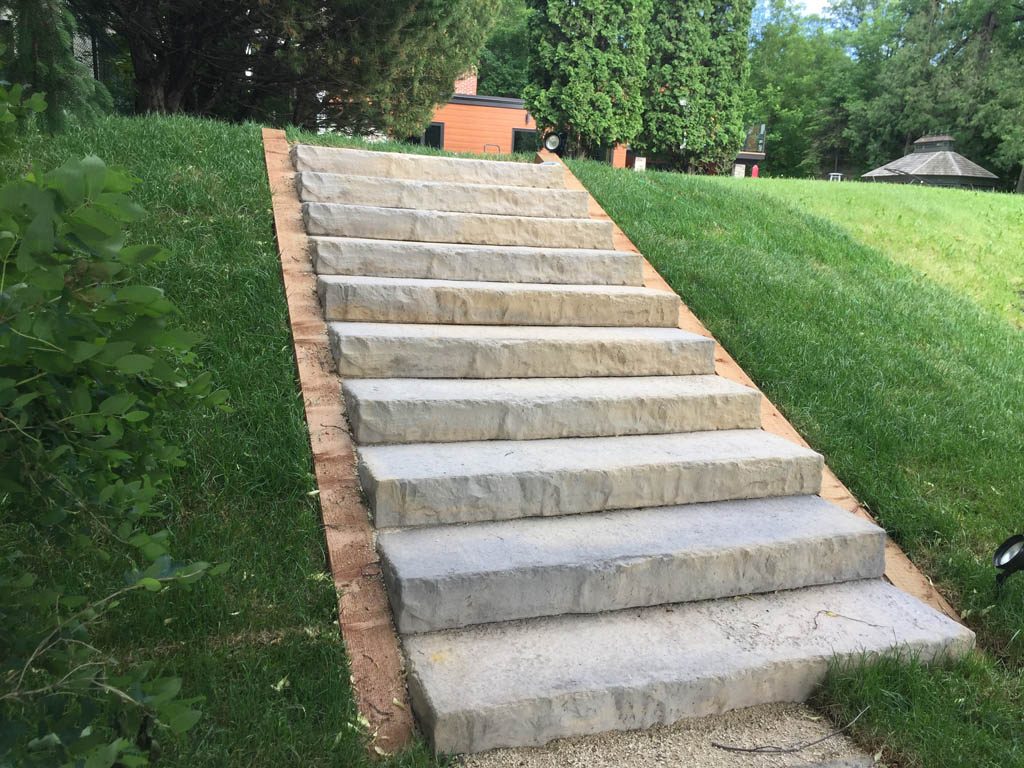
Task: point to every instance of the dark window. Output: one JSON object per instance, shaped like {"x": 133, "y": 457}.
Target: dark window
{"x": 434, "y": 136}
{"x": 524, "y": 140}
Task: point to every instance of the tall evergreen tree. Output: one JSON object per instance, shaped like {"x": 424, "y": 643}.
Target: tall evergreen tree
{"x": 696, "y": 94}
{"x": 505, "y": 59}
{"x": 588, "y": 68}
{"x": 43, "y": 55}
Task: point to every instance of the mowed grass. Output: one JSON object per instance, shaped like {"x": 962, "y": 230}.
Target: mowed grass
{"x": 260, "y": 643}
{"x": 972, "y": 242}
{"x": 912, "y": 391}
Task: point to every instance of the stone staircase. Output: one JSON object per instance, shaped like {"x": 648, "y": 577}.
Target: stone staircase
{"x": 582, "y": 527}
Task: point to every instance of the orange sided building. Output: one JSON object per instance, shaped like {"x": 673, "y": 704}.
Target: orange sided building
{"x": 470, "y": 122}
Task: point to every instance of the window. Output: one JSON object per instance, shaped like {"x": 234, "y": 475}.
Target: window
{"x": 434, "y": 136}
{"x": 524, "y": 140}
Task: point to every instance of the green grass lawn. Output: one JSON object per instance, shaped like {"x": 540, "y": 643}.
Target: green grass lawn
{"x": 261, "y": 643}
{"x": 972, "y": 242}
{"x": 911, "y": 387}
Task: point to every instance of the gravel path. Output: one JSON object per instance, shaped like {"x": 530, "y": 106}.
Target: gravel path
{"x": 687, "y": 744}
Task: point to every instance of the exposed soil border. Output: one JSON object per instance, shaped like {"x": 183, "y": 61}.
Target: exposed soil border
{"x": 375, "y": 662}
{"x": 899, "y": 570}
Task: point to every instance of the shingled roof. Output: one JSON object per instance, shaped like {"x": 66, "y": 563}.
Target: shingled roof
{"x": 933, "y": 156}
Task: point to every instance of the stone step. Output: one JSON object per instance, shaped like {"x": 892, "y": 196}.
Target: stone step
{"x": 451, "y": 261}
{"x": 451, "y": 576}
{"x": 359, "y": 162}
{"x": 528, "y": 682}
{"x": 384, "y": 350}
{"x": 442, "y": 196}
{"x": 465, "y": 228}
{"x": 445, "y": 410}
{"x": 464, "y": 302}
{"x": 439, "y": 483}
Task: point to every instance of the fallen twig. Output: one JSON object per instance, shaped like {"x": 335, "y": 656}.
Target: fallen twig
{"x": 775, "y": 750}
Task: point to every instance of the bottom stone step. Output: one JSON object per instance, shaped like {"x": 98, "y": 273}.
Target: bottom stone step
{"x": 528, "y": 682}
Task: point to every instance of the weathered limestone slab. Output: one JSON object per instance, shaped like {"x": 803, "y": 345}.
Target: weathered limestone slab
{"x": 442, "y": 196}
{"x": 412, "y": 300}
{"x": 451, "y": 261}
{"x": 525, "y": 683}
{"x": 446, "y": 410}
{"x": 434, "y": 483}
{"x": 373, "y": 350}
{"x": 465, "y": 228}
{"x": 358, "y": 162}
{"x": 451, "y": 576}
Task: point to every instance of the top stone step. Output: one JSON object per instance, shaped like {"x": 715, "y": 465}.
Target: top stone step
{"x": 442, "y": 196}
{"x": 358, "y": 162}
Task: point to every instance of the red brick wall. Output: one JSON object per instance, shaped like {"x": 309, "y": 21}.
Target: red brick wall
{"x": 466, "y": 84}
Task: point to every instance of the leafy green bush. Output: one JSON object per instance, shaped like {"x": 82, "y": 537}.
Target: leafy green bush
{"x": 89, "y": 368}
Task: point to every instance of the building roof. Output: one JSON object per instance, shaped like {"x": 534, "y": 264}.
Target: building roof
{"x": 476, "y": 100}
{"x": 933, "y": 139}
{"x": 932, "y": 156}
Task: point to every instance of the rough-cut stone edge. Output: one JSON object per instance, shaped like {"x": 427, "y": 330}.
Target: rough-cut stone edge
{"x": 900, "y": 571}
{"x": 364, "y": 615}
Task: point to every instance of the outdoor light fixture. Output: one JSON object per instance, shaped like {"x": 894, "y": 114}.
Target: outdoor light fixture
{"x": 552, "y": 142}
{"x": 1009, "y": 558}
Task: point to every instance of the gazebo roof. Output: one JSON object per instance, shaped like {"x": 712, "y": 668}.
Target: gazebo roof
{"x": 925, "y": 160}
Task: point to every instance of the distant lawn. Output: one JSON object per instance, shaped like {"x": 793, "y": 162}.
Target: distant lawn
{"x": 914, "y": 393}
{"x": 261, "y": 643}
{"x": 972, "y": 242}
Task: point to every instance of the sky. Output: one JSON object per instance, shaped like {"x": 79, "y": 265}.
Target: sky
{"x": 815, "y": 6}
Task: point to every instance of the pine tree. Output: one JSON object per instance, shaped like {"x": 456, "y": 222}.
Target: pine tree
{"x": 43, "y": 55}
{"x": 588, "y": 69}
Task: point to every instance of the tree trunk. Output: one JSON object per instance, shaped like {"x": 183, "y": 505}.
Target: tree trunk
{"x": 1020, "y": 181}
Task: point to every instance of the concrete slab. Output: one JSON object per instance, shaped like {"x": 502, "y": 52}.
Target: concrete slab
{"x": 446, "y": 410}
{"x": 307, "y": 157}
{"x": 412, "y": 300}
{"x": 373, "y": 350}
{"x": 438, "y": 483}
{"x": 453, "y": 576}
{"x": 690, "y": 743}
{"x": 525, "y": 683}
{"x": 451, "y": 261}
{"x": 441, "y": 196}
{"x": 465, "y": 228}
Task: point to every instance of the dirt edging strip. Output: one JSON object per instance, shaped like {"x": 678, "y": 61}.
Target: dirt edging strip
{"x": 364, "y": 615}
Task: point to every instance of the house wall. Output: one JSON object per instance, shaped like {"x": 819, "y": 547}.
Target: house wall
{"x": 484, "y": 129}
{"x": 474, "y": 128}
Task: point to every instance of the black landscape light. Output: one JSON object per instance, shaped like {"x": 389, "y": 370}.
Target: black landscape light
{"x": 1009, "y": 558}
{"x": 552, "y": 142}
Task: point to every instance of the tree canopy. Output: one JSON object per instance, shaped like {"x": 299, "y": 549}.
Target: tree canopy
{"x": 853, "y": 91}
{"x": 343, "y": 64}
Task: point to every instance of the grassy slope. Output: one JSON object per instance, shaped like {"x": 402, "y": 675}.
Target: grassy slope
{"x": 912, "y": 392}
{"x": 972, "y": 242}
{"x": 260, "y": 643}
